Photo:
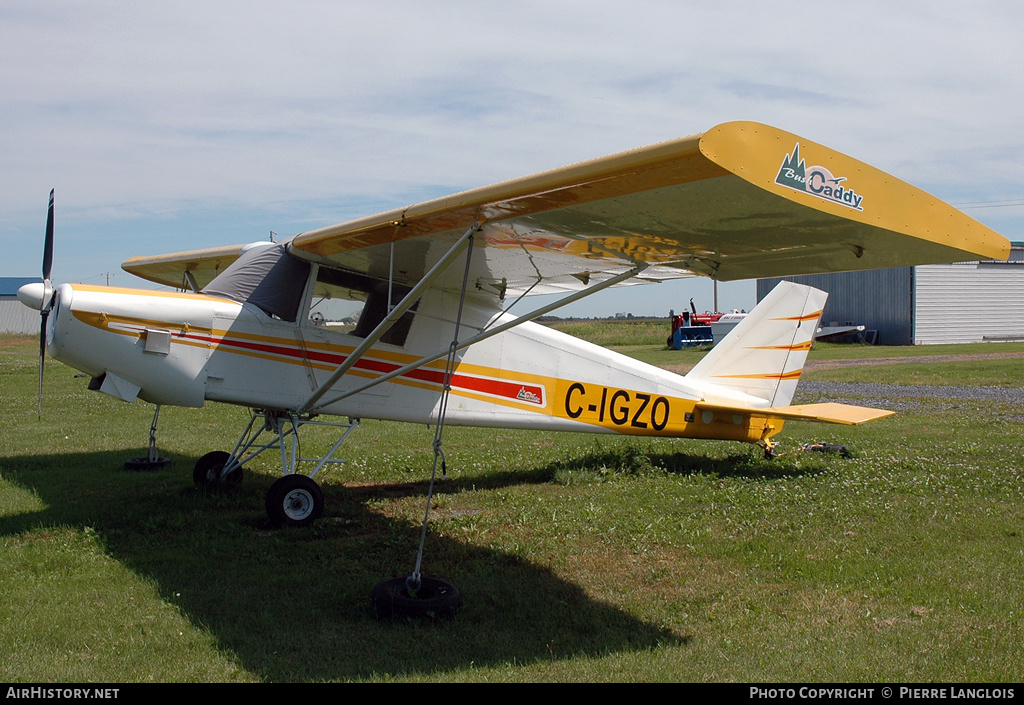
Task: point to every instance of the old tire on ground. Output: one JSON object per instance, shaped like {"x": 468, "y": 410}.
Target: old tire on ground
{"x": 207, "y": 472}
{"x": 144, "y": 463}
{"x": 294, "y": 500}
{"x": 436, "y": 599}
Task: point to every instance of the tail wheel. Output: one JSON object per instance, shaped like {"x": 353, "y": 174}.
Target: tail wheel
{"x": 294, "y": 500}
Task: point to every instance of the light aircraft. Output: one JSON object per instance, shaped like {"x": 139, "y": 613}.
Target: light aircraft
{"x": 439, "y": 340}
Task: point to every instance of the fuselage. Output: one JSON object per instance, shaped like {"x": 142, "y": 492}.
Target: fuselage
{"x": 185, "y": 348}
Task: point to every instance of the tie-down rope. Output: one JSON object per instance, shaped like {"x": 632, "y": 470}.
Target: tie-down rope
{"x": 412, "y": 583}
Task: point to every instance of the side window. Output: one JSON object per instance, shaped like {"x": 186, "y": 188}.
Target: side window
{"x": 376, "y": 309}
{"x": 356, "y": 304}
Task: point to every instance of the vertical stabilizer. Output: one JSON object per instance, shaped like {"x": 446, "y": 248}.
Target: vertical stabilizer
{"x": 764, "y": 354}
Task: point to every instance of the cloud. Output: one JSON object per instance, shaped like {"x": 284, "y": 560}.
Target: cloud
{"x": 199, "y": 115}
{"x": 787, "y": 95}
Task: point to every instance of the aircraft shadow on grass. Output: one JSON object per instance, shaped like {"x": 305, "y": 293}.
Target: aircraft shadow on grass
{"x": 635, "y": 461}
{"x": 293, "y": 604}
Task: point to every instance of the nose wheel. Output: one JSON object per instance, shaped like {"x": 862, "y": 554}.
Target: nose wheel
{"x": 294, "y": 500}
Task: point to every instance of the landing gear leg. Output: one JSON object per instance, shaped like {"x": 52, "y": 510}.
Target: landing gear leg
{"x": 294, "y": 499}
{"x": 152, "y": 461}
{"x": 767, "y": 443}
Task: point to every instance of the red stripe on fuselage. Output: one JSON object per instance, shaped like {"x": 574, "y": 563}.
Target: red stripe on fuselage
{"x": 482, "y": 385}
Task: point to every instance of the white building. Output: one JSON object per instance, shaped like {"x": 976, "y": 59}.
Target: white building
{"x": 15, "y": 317}
{"x": 967, "y": 302}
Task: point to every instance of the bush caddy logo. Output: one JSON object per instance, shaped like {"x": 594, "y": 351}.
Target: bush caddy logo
{"x": 527, "y": 395}
{"x": 817, "y": 181}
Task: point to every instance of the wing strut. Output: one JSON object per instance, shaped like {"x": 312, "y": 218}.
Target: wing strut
{"x": 384, "y": 326}
{"x": 413, "y": 582}
{"x": 471, "y": 341}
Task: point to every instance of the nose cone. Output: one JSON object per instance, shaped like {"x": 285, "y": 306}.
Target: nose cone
{"x": 32, "y": 295}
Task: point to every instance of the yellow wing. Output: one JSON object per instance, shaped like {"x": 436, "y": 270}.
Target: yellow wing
{"x": 740, "y": 201}
{"x": 201, "y": 265}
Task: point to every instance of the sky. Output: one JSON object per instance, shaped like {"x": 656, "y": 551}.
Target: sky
{"x": 168, "y": 126}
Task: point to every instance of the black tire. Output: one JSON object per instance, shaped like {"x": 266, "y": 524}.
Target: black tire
{"x": 207, "y": 472}
{"x": 436, "y": 599}
{"x": 144, "y": 463}
{"x": 294, "y": 500}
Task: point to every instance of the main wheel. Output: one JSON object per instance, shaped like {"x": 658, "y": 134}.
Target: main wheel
{"x": 207, "y": 472}
{"x": 435, "y": 598}
{"x": 294, "y": 500}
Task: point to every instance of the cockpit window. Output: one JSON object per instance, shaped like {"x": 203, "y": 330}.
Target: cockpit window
{"x": 269, "y": 277}
{"x": 334, "y": 284}
{"x": 265, "y": 276}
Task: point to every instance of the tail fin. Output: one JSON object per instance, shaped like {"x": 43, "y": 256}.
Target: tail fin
{"x": 764, "y": 354}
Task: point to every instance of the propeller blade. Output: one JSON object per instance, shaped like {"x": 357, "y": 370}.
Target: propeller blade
{"x": 48, "y": 242}
{"x": 42, "y": 358}
{"x": 45, "y": 310}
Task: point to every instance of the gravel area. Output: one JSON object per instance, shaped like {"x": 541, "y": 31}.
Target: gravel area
{"x": 907, "y": 359}
{"x": 896, "y": 397}
{"x": 905, "y": 397}
{"x": 1009, "y": 395}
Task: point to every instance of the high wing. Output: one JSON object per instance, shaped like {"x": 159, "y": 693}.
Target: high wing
{"x": 175, "y": 269}
{"x": 740, "y": 201}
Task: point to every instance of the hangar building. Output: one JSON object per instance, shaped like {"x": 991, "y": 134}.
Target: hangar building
{"x": 966, "y": 302}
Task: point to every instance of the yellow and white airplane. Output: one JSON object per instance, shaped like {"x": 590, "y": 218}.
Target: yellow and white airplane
{"x": 440, "y": 340}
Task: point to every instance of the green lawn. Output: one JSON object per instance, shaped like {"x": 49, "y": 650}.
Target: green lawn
{"x": 581, "y": 557}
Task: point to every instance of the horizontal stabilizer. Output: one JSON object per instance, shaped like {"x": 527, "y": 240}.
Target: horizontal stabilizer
{"x": 829, "y": 412}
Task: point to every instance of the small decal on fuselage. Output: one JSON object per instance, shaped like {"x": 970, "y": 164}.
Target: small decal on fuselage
{"x": 816, "y": 181}
{"x": 527, "y": 395}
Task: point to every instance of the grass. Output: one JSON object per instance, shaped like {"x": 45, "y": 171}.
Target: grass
{"x": 616, "y": 332}
{"x": 582, "y": 558}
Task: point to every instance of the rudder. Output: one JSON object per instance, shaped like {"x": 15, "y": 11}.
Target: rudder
{"x": 765, "y": 353}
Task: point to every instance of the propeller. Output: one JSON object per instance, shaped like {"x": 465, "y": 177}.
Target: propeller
{"x": 47, "y": 302}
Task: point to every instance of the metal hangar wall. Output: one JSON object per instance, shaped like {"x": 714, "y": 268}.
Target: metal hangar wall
{"x": 15, "y": 317}
{"x": 967, "y": 302}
